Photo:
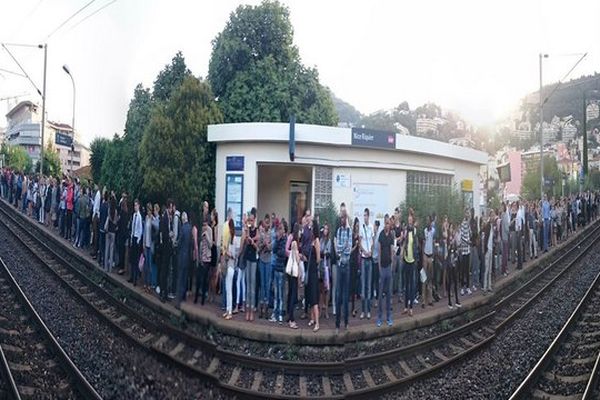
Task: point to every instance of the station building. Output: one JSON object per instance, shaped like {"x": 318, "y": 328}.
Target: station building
{"x": 361, "y": 167}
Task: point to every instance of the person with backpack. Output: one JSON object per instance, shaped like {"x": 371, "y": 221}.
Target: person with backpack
{"x": 343, "y": 248}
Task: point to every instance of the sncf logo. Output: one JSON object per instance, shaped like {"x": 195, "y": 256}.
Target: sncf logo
{"x": 390, "y": 139}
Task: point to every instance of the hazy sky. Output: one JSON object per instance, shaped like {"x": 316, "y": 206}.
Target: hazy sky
{"x": 474, "y": 57}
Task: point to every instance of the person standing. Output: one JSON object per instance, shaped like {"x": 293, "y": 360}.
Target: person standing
{"x": 279, "y": 251}
{"x": 465, "y": 254}
{"x": 175, "y": 231}
{"x": 166, "y": 249}
{"x": 398, "y": 257}
{"x": 426, "y": 285}
{"x": 411, "y": 257}
{"x": 453, "y": 266}
{"x": 110, "y": 227}
{"x": 325, "y": 269}
{"x": 343, "y": 244}
{"x": 314, "y": 259}
{"x": 265, "y": 247}
{"x": 546, "y": 221}
{"x": 375, "y": 261}
{"x": 148, "y": 248}
{"x": 95, "y": 219}
{"x": 229, "y": 250}
{"x": 366, "y": 264}
{"x": 488, "y": 237}
{"x": 385, "y": 243}
{"x": 135, "y": 241}
{"x": 206, "y": 242}
{"x": 251, "y": 255}
{"x": 185, "y": 256}
{"x": 519, "y": 227}
{"x": 505, "y": 229}
{"x": 69, "y": 207}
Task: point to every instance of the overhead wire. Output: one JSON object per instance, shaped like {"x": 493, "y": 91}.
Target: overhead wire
{"x": 92, "y": 14}
{"x": 69, "y": 19}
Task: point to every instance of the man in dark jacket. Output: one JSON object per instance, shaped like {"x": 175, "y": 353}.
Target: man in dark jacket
{"x": 166, "y": 249}
{"x": 279, "y": 269}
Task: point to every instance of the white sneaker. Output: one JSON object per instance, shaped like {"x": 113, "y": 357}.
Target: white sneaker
{"x": 368, "y": 315}
{"x": 416, "y": 301}
{"x": 458, "y": 305}
{"x": 474, "y": 288}
{"x": 272, "y": 319}
{"x": 469, "y": 291}
{"x": 450, "y": 307}
{"x": 462, "y": 291}
{"x": 362, "y": 315}
{"x": 158, "y": 290}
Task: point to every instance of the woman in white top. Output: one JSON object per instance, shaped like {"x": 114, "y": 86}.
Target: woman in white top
{"x": 231, "y": 249}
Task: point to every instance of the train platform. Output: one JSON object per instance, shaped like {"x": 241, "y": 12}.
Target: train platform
{"x": 210, "y": 314}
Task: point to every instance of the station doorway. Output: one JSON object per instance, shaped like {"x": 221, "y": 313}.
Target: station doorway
{"x": 285, "y": 190}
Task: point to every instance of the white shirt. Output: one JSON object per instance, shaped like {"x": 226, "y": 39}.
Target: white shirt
{"x": 136, "y": 227}
{"x": 520, "y": 221}
{"x": 366, "y": 239}
{"x": 96, "y": 208}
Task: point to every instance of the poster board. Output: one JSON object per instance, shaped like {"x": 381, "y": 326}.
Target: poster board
{"x": 234, "y": 197}
{"x": 374, "y": 196}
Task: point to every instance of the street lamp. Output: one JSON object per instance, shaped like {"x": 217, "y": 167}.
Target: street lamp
{"x": 66, "y": 69}
{"x": 542, "y": 56}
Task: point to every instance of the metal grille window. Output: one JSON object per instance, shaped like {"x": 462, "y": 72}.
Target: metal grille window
{"x": 426, "y": 183}
{"x": 323, "y": 184}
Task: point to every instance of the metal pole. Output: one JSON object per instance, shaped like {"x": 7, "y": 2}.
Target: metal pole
{"x": 73, "y": 124}
{"x": 43, "y": 110}
{"x": 541, "y": 134}
{"x": 584, "y": 156}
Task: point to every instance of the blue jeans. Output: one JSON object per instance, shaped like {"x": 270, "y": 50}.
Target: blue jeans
{"x": 278, "y": 286}
{"x": 409, "y": 284}
{"x": 182, "y": 279}
{"x": 385, "y": 285}
{"x": 366, "y": 277}
{"x": 265, "y": 281}
{"x": 546, "y": 233}
{"x": 149, "y": 268}
{"x": 223, "y": 292}
{"x": 241, "y": 286}
{"x": 399, "y": 273}
{"x": 342, "y": 293}
{"x": 251, "y": 284}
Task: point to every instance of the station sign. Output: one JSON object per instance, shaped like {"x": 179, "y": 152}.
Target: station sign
{"x": 62, "y": 139}
{"x": 235, "y": 163}
{"x": 373, "y": 138}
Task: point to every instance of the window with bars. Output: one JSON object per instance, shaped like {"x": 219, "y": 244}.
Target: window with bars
{"x": 322, "y": 188}
{"x": 427, "y": 184}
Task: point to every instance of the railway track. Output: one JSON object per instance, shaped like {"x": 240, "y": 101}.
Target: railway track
{"x": 569, "y": 368}
{"x": 251, "y": 377}
{"x": 33, "y": 363}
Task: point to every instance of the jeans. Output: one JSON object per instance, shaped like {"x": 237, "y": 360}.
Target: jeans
{"x": 504, "y": 256}
{"x": 365, "y": 284}
{"x": 229, "y": 286}
{"x": 385, "y": 285}
{"x": 519, "y": 240}
{"x": 165, "y": 260}
{"x": 241, "y": 286}
{"x": 426, "y": 287}
{"x": 149, "y": 267}
{"x": 109, "y": 251}
{"x": 101, "y": 241}
{"x": 292, "y": 297}
{"x": 452, "y": 281}
{"x": 251, "y": 284}
{"x": 172, "y": 284}
{"x": 400, "y": 274}
{"x": 546, "y": 233}
{"x": 475, "y": 266}
{"x": 334, "y": 286}
{"x": 278, "y": 286}
{"x": 409, "y": 284}
{"x": 68, "y": 224}
{"x": 532, "y": 243}
{"x": 265, "y": 281}
{"x": 487, "y": 276}
{"x": 342, "y": 293}
{"x": 134, "y": 260}
{"x": 464, "y": 277}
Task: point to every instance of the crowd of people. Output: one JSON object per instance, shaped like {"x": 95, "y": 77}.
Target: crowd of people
{"x": 269, "y": 269}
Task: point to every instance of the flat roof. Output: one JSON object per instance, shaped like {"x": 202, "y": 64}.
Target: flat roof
{"x": 334, "y": 136}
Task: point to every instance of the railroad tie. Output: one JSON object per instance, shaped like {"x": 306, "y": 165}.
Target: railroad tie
{"x": 12, "y": 349}
{"x": 423, "y": 362}
{"x": 477, "y": 335}
{"x": 303, "y": 389}
{"x": 388, "y": 372}
{"x": 180, "y": 346}
{"x": 466, "y": 342}
{"x": 146, "y": 338}
{"x": 368, "y": 378}
{"x": 10, "y": 332}
{"x": 567, "y": 379}
{"x": 120, "y": 319}
{"x": 279, "y": 385}
{"x": 327, "y": 386}
{"x": 234, "y": 376}
{"x": 348, "y": 383}
{"x": 407, "y": 370}
{"x": 258, "y": 377}
{"x": 19, "y": 367}
{"x": 161, "y": 341}
{"x": 439, "y": 355}
{"x": 214, "y": 364}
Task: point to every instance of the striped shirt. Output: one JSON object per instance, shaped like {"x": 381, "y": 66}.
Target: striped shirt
{"x": 465, "y": 238}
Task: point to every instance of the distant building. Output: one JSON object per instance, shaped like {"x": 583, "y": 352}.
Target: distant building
{"x": 428, "y": 125}
{"x": 24, "y": 129}
{"x": 523, "y": 131}
{"x": 464, "y": 141}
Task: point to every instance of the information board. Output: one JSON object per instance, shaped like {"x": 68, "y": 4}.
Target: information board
{"x": 234, "y": 197}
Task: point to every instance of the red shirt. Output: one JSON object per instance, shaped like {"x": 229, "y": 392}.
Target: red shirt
{"x": 70, "y": 197}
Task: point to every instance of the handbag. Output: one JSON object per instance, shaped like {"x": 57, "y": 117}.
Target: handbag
{"x": 423, "y": 275}
{"x": 141, "y": 262}
{"x": 292, "y": 267}
{"x": 213, "y": 254}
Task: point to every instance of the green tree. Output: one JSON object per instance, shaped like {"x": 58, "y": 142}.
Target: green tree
{"x": 442, "y": 201}
{"x": 98, "y": 149}
{"x": 113, "y": 166}
{"x": 52, "y": 165}
{"x": 168, "y": 80}
{"x": 256, "y": 72}
{"x": 176, "y": 157}
{"x": 16, "y": 157}
{"x": 530, "y": 188}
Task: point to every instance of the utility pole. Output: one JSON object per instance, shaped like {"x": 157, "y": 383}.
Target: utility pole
{"x": 541, "y": 131}
{"x": 43, "y": 110}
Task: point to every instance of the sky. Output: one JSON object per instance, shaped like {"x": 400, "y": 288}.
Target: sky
{"x": 476, "y": 58}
